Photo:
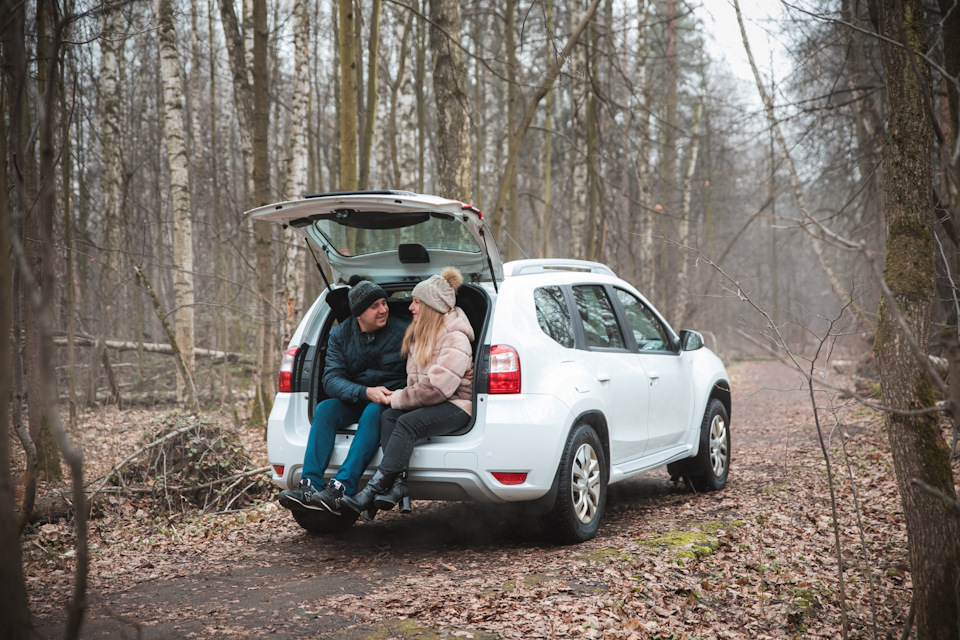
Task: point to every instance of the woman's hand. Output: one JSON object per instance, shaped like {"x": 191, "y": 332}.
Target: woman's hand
{"x": 380, "y": 395}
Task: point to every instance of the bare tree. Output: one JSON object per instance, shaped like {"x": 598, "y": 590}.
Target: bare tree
{"x": 14, "y": 606}
{"x": 450, "y": 92}
{"x": 180, "y": 197}
{"x": 348, "y": 97}
{"x": 918, "y": 448}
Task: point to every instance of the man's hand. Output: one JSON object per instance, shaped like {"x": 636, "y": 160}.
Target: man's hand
{"x": 380, "y": 395}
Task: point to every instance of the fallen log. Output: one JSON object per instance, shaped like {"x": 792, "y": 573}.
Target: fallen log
{"x": 154, "y": 347}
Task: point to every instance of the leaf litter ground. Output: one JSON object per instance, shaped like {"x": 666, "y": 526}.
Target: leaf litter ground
{"x": 757, "y": 560}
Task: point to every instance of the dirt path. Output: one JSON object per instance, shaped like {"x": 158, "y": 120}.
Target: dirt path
{"x": 755, "y": 560}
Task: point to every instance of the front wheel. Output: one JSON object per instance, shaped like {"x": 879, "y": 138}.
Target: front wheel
{"x": 582, "y": 489}
{"x": 713, "y": 460}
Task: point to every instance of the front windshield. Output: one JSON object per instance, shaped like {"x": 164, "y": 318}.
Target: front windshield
{"x": 434, "y": 232}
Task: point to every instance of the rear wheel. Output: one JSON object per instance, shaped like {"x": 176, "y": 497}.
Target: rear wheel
{"x": 582, "y": 489}
{"x": 324, "y": 521}
{"x": 713, "y": 460}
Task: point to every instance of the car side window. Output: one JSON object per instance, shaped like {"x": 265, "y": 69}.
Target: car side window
{"x": 553, "y": 315}
{"x": 647, "y": 328}
{"x": 599, "y": 320}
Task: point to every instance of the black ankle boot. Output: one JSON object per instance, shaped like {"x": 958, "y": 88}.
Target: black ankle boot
{"x": 398, "y": 493}
{"x": 363, "y": 500}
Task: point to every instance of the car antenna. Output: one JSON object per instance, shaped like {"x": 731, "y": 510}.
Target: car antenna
{"x": 317, "y": 262}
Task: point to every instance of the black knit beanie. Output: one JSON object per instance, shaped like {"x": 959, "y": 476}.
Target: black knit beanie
{"x": 363, "y": 294}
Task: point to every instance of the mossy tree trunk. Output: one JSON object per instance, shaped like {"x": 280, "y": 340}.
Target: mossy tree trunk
{"x": 450, "y": 91}
{"x": 918, "y": 448}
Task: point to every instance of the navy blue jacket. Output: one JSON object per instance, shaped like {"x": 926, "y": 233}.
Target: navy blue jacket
{"x": 357, "y": 360}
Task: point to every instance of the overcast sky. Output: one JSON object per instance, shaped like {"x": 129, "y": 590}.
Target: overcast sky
{"x": 762, "y": 20}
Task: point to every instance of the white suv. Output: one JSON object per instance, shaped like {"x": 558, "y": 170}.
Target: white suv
{"x": 579, "y": 381}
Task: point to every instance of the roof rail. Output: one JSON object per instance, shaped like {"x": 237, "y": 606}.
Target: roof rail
{"x": 543, "y": 265}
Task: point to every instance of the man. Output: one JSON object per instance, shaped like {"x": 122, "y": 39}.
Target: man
{"x": 363, "y": 367}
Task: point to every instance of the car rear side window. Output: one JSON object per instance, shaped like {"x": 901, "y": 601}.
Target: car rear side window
{"x": 599, "y": 321}
{"x": 647, "y": 330}
{"x": 553, "y": 315}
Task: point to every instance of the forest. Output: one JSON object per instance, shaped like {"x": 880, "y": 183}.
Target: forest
{"x": 802, "y": 207}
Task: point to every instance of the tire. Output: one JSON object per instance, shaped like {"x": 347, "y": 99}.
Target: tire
{"x": 324, "y": 522}
{"x": 581, "y": 489}
{"x": 713, "y": 459}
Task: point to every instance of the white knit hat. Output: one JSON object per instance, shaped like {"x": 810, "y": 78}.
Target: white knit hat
{"x": 439, "y": 292}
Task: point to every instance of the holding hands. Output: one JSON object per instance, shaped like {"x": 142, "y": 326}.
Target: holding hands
{"x": 380, "y": 395}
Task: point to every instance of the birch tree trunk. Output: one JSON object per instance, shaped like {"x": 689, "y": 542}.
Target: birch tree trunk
{"x": 919, "y": 450}
{"x": 180, "y": 198}
{"x": 686, "y": 192}
{"x": 296, "y": 183}
{"x": 450, "y": 93}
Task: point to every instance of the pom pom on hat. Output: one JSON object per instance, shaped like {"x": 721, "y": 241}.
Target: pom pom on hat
{"x": 439, "y": 292}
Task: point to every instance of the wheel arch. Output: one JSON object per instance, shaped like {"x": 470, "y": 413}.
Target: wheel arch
{"x": 598, "y": 421}
{"x": 721, "y": 391}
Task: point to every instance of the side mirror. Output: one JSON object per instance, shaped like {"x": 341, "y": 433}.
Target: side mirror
{"x": 690, "y": 340}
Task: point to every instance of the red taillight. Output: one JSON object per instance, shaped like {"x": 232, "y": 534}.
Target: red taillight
{"x": 285, "y": 384}
{"x": 278, "y": 469}
{"x": 504, "y": 369}
{"x": 510, "y": 478}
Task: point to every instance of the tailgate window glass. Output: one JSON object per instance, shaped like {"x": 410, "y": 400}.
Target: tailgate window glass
{"x": 376, "y": 234}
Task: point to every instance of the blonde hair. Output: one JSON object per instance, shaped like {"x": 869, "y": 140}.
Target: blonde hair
{"x": 421, "y": 336}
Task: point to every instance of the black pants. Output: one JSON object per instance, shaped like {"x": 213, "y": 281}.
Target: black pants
{"x": 400, "y": 430}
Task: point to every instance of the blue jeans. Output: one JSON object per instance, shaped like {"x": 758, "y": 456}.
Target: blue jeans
{"x": 332, "y": 414}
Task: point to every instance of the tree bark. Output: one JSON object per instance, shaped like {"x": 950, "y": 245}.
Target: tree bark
{"x": 450, "y": 93}
{"x": 14, "y": 605}
{"x": 647, "y": 264}
{"x": 370, "y": 116}
{"x": 348, "y": 98}
{"x": 296, "y": 182}
{"x": 183, "y": 316}
{"x": 918, "y": 448}
{"x": 263, "y": 231}
{"x": 686, "y": 192}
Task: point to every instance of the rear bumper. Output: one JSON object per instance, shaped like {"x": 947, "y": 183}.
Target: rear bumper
{"x": 512, "y": 433}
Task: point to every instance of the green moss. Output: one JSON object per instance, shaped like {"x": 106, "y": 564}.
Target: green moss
{"x": 606, "y": 554}
{"x": 692, "y": 545}
{"x": 526, "y": 581}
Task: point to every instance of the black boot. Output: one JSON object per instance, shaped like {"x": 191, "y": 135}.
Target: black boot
{"x": 398, "y": 493}
{"x": 363, "y": 500}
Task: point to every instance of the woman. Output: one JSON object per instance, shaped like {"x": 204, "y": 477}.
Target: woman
{"x": 438, "y": 396}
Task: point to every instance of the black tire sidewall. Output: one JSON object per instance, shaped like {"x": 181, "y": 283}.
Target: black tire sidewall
{"x": 708, "y": 480}
{"x": 561, "y": 524}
